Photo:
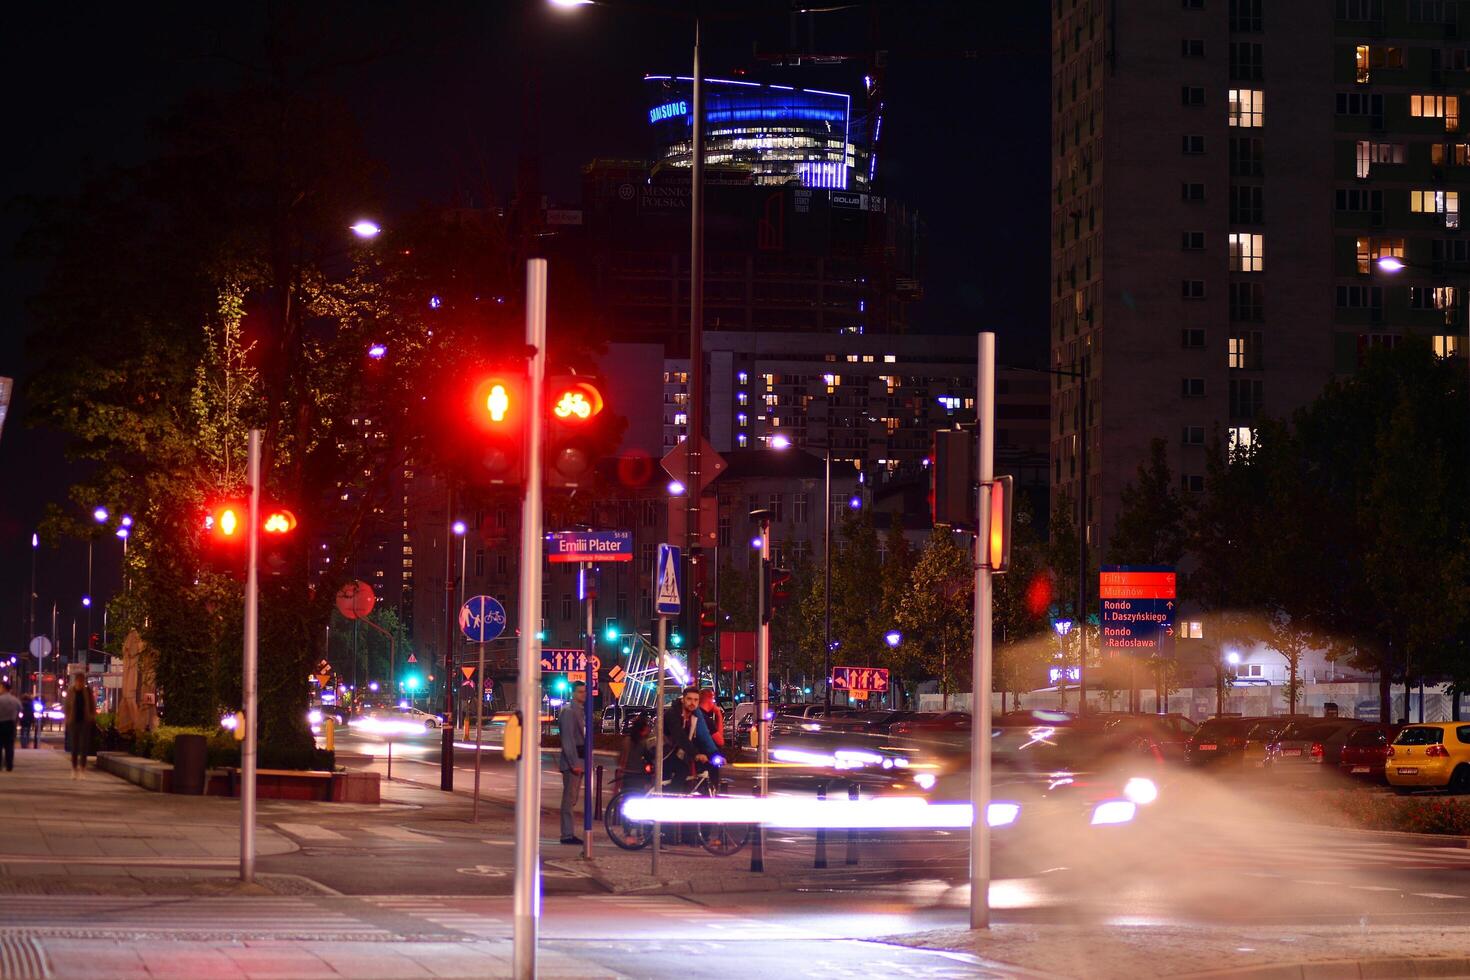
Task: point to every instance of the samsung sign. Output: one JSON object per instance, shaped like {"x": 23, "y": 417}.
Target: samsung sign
{"x": 668, "y": 111}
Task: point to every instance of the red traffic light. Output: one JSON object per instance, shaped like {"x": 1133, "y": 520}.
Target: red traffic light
{"x": 498, "y": 403}
{"x": 574, "y": 401}
{"x": 227, "y": 522}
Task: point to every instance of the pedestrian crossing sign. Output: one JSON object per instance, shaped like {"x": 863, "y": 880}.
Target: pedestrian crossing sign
{"x": 666, "y": 600}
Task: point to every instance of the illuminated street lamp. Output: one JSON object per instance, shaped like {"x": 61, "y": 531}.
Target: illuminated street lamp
{"x": 1393, "y": 265}
{"x": 459, "y": 528}
{"x": 779, "y": 442}
{"x": 366, "y": 229}
{"x": 893, "y": 638}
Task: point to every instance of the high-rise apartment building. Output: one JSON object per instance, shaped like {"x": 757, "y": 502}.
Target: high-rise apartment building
{"x": 1226, "y": 174}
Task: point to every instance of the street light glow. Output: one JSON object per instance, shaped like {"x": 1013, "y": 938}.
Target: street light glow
{"x": 87, "y": 601}
{"x": 1391, "y": 263}
{"x": 127, "y": 520}
{"x": 459, "y": 527}
{"x": 366, "y": 229}
{"x": 675, "y": 488}
{"x": 122, "y": 532}
{"x": 99, "y": 515}
{"x": 569, "y": 4}
{"x": 755, "y": 542}
{"x": 893, "y": 638}
{"x": 780, "y": 442}
{"x": 377, "y": 351}
{"x": 1232, "y": 658}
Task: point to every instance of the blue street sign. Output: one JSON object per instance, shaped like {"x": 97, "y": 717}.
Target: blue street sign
{"x": 666, "y": 580}
{"x": 574, "y": 546}
{"x": 482, "y": 619}
{"x": 1138, "y": 606}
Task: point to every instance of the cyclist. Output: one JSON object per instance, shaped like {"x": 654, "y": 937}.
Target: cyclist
{"x": 687, "y": 741}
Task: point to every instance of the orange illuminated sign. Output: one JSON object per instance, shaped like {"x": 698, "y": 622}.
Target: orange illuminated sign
{"x": 576, "y": 402}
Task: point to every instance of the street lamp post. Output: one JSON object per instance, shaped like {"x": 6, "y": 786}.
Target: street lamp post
{"x": 762, "y": 678}
{"x": 31, "y": 612}
{"x": 779, "y": 441}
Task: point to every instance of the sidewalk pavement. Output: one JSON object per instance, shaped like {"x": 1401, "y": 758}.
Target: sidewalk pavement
{"x": 1239, "y": 952}
{"x": 100, "y": 827}
{"x": 121, "y": 960}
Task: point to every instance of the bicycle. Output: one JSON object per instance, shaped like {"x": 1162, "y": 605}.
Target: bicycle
{"x": 719, "y": 839}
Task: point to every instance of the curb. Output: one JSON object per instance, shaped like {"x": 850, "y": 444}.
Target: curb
{"x": 1387, "y": 967}
{"x": 1398, "y": 836}
{"x": 684, "y": 886}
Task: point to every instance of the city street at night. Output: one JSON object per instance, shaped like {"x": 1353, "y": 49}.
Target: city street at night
{"x": 735, "y": 489}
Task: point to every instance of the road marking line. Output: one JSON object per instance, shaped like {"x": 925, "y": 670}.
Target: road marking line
{"x": 1373, "y": 888}
{"x": 1435, "y": 895}
{"x": 310, "y": 831}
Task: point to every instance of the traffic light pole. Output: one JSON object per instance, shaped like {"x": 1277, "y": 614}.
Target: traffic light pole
{"x": 248, "y": 672}
{"x": 658, "y": 732}
{"x": 589, "y": 590}
{"x": 527, "y": 888}
{"x": 981, "y": 664}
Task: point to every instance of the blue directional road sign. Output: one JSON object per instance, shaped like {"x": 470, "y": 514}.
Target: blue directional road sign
{"x": 666, "y": 576}
{"x": 1138, "y": 606}
{"x": 482, "y": 619}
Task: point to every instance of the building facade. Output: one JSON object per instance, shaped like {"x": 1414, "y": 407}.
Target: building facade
{"x": 1225, "y": 177}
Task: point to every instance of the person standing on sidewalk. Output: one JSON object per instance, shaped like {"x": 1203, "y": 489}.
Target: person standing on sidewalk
{"x": 714, "y": 720}
{"x": 573, "y": 724}
{"x": 81, "y": 713}
{"x": 9, "y": 715}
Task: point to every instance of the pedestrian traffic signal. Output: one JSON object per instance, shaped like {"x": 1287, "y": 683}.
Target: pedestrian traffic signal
{"x": 497, "y": 415}
{"x": 225, "y": 524}
{"x": 574, "y": 407}
{"x": 777, "y": 584}
{"x": 708, "y": 616}
{"x": 998, "y": 544}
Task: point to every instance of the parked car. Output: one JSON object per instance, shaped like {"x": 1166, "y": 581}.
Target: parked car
{"x": 1262, "y": 734}
{"x": 1310, "y": 743}
{"x": 1219, "y": 739}
{"x": 1366, "y": 750}
{"x": 1434, "y": 755}
{"x": 1165, "y": 736}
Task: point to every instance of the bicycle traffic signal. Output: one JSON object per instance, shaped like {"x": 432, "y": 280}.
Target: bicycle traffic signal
{"x": 574, "y": 404}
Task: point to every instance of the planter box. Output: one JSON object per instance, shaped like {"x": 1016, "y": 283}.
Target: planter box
{"x": 355, "y": 787}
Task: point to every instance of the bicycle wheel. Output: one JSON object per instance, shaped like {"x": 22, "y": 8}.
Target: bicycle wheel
{"x": 722, "y": 839}
{"x": 630, "y": 835}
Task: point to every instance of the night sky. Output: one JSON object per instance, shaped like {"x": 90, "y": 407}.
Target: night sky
{"x": 451, "y": 94}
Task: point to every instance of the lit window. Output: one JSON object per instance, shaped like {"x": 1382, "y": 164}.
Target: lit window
{"x": 742, "y": 398}
{"x": 1446, "y": 203}
{"x": 1370, "y": 152}
{"x": 1245, "y": 252}
{"x": 742, "y": 377}
{"x": 1247, "y": 107}
{"x": 1446, "y": 107}
{"x": 1453, "y": 154}
{"x": 741, "y": 419}
{"x": 1448, "y": 345}
{"x": 742, "y": 440}
{"x": 890, "y": 358}
{"x": 1370, "y": 250}
{"x": 680, "y": 418}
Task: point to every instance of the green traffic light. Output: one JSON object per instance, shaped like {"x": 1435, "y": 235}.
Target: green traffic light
{"x": 411, "y": 683}
{"x": 610, "y": 633}
{"x": 676, "y": 639}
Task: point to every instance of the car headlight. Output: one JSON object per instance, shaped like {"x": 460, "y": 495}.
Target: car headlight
{"x": 315, "y": 717}
{"x": 1141, "y": 790}
{"x": 926, "y": 780}
{"x": 1002, "y": 814}
{"x": 1114, "y": 812}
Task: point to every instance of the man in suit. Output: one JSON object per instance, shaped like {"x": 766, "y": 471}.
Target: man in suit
{"x": 573, "y": 724}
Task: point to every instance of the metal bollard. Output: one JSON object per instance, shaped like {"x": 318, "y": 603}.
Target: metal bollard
{"x": 757, "y": 846}
{"x": 852, "y": 834}
{"x": 821, "y": 859}
{"x": 597, "y": 783}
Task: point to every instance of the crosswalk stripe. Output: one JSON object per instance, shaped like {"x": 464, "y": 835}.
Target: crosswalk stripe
{"x": 310, "y": 831}
{"x": 402, "y": 834}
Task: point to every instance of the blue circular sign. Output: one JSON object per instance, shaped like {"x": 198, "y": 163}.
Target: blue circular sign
{"x": 481, "y": 619}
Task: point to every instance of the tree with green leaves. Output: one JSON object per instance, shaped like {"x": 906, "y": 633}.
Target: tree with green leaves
{"x": 936, "y": 617}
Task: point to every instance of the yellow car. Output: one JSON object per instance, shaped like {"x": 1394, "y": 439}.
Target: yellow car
{"x": 1433, "y": 755}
